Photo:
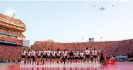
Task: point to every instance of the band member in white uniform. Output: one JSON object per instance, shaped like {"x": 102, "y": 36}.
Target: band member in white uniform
{"x": 76, "y": 56}
{"x": 52, "y": 55}
{"x": 39, "y": 56}
{"x": 91, "y": 56}
{"x": 29, "y": 56}
{"x": 33, "y": 55}
{"x": 82, "y": 56}
{"x": 44, "y": 56}
{"x": 94, "y": 53}
{"x": 24, "y": 56}
{"x": 64, "y": 56}
{"x": 58, "y": 55}
{"x": 48, "y": 55}
{"x": 87, "y": 52}
{"x": 98, "y": 55}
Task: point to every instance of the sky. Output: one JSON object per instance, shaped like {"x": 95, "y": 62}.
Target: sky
{"x": 73, "y": 21}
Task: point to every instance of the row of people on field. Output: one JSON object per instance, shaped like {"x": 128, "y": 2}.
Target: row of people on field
{"x": 62, "y": 56}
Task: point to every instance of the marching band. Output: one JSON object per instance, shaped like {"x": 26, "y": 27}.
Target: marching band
{"x": 62, "y": 56}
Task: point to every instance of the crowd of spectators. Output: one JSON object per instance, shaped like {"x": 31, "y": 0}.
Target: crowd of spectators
{"x": 10, "y": 39}
{"x": 115, "y": 48}
{"x": 10, "y": 53}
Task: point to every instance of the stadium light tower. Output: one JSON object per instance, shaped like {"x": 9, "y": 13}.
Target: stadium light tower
{"x": 101, "y": 38}
{"x": 13, "y": 15}
{"x": 82, "y": 39}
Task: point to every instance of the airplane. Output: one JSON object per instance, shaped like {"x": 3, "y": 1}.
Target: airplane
{"x": 102, "y": 8}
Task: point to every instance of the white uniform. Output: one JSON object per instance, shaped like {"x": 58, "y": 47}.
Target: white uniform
{"x": 24, "y": 53}
{"x": 94, "y": 52}
{"x": 65, "y": 53}
{"x": 48, "y": 53}
{"x": 82, "y": 54}
{"x": 87, "y": 52}
{"x": 53, "y": 54}
{"x": 44, "y": 52}
{"x": 33, "y": 53}
{"x": 58, "y": 54}
{"x": 76, "y": 54}
{"x": 39, "y": 53}
{"x": 29, "y": 54}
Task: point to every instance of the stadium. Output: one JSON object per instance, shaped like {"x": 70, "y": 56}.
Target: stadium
{"x": 12, "y": 45}
{"x": 16, "y": 52}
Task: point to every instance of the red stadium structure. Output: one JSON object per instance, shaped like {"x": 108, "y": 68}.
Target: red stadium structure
{"x": 11, "y": 37}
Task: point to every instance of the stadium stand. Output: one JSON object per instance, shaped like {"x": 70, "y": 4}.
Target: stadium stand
{"x": 10, "y": 52}
{"x": 11, "y": 37}
{"x": 115, "y": 48}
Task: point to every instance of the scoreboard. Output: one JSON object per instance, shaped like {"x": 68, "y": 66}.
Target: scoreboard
{"x": 26, "y": 43}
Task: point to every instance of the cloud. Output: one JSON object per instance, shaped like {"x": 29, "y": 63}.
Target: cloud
{"x": 10, "y": 11}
